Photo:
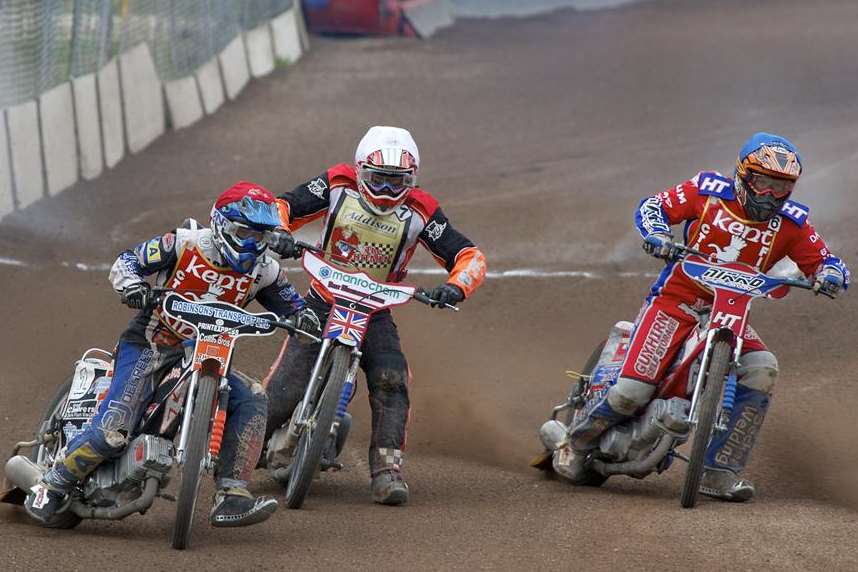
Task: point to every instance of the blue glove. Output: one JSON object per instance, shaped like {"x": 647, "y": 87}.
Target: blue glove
{"x": 661, "y": 245}
{"x": 831, "y": 279}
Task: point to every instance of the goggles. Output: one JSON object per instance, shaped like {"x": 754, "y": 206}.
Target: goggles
{"x": 765, "y": 185}
{"x": 248, "y": 239}
{"x": 386, "y": 183}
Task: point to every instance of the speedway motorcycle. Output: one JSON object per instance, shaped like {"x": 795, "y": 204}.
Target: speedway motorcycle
{"x": 695, "y": 397}
{"x": 182, "y": 428}
{"x": 319, "y": 425}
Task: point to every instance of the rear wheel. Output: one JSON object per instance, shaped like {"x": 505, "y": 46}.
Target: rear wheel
{"x": 316, "y": 433}
{"x": 48, "y": 452}
{"x": 194, "y": 461}
{"x": 710, "y": 401}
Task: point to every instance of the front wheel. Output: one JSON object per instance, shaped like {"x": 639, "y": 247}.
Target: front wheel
{"x": 194, "y": 461}
{"x": 710, "y": 400}
{"x": 315, "y": 434}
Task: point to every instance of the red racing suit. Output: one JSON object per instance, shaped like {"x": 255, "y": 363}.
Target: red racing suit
{"x": 715, "y": 223}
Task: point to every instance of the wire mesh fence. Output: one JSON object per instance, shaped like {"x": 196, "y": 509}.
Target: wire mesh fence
{"x": 44, "y": 43}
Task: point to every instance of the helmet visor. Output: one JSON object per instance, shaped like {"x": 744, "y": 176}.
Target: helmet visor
{"x": 766, "y": 185}
{"x": 388, "y": 184}
{"x": 246, "y": 239}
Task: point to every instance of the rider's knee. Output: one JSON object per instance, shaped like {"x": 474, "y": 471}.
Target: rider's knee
{"x": 108, "y": 442}
{"x": 628, "y": 395}
{"x": 758, "y": 370}
{"x": 388, "y": 373}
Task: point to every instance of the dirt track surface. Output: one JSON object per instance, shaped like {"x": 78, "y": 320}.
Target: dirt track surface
{"x": 538, "y": 136}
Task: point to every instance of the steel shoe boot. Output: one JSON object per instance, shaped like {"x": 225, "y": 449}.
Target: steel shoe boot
{"x": 235, "y": 506}
{"x": 45, "y": 501}
{"x": 726, "y": 485}
{"x": 388, "y": 487}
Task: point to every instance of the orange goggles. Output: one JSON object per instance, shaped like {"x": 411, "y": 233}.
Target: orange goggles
{"x": 766, "y": 185}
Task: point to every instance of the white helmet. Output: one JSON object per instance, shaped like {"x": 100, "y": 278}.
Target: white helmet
{"x": 386, "y": 160}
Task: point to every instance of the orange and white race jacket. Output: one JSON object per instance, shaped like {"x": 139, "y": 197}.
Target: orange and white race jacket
{"x": 381, "y": 246}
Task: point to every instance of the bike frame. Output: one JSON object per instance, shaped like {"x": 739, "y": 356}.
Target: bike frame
{"x": 213, "y": 348}
{"x": 734, "y": 285}
{"x": 356, "y": 297}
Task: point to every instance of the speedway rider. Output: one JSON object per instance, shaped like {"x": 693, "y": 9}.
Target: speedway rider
{"x": 228, "y": 263}
{"x": 747, "y": 218}
{"x": 374, "y": 218}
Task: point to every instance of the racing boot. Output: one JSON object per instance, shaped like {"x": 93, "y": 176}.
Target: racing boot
{"x": 235, "y": 506}
{"x": 388, "y": 486}
{"x": 45, "y": 501}
{"x": 729, "y": 450}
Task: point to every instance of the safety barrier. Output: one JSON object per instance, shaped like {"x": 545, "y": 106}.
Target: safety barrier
{"x": 79, "y": 127}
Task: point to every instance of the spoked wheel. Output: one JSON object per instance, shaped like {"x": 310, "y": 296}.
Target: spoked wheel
{"x": 194, "y": 462}
{"x": 710, "y": 399}
{"x": 315, "y": 434}
{"x": 48, "y": 452}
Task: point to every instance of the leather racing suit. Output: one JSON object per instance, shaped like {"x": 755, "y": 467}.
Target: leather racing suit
{"x": 381, "y": 246}
{"x": 716, "y": 224}
{"x": 187, "y": 261}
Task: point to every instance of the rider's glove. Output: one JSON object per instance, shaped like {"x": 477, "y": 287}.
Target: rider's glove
{"x": 282, "y": 243}
{"x": 446, "y": 294}
{"x": 660, "y": 245}
{"x": 829, "y": 281}
{"x": 137, "y": 296}
{"x": 307, "y": 321}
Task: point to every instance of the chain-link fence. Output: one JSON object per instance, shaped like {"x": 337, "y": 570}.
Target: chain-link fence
{"x": 46, "y": 42}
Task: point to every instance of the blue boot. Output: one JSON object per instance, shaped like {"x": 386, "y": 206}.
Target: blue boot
{"x": 729, "y": 450}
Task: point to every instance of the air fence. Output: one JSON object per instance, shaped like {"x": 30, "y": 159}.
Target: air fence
{"x": 82, "y": 82}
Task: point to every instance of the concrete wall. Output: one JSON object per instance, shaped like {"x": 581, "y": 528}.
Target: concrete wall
{"x": 88, "y": 127}
{"x": 79, "y": 128}
{"x": 56, "y": 109}
{"x": 7, "y": 199}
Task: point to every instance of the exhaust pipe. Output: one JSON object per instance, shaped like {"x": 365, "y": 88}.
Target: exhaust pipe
{"x": 22, "y": 472}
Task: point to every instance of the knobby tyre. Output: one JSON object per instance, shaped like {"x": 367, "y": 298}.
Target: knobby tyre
{"x": 710, "y": 401}
{"x": 66, "y": 519}
{"x": 195, "y": 455}
{"x": 308, "y": 453}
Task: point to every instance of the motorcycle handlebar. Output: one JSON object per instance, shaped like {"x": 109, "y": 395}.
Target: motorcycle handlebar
{"x": 422, "y": 295}
{"x": 802, "y": 283}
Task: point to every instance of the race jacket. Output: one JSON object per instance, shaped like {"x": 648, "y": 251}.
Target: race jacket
{"x": 187, "y": 261}
{"x": 381, "y": 246}
{"x": 716, "y": 224}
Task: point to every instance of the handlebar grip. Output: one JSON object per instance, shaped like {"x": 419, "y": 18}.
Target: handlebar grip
{"x": 420, "y": 296}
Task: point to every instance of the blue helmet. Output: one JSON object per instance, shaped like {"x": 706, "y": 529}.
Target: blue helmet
{"x": 767, "y": 169}
{"x": 240, "y": 220}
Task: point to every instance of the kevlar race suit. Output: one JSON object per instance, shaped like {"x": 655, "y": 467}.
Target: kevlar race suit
{"x": 715, "y": 223}
{"x": 381, "y": 246}
{"x": 187, "y": 261}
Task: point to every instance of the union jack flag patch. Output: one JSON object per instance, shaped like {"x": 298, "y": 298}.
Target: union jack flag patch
{"x": 346, "y": 323}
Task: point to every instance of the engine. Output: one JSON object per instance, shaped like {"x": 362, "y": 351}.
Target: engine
{"x": 146, "y": 456}
{"x": 634, "y": 440}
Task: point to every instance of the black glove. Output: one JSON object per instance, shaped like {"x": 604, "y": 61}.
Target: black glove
{"x": 137, "y": 296}
{"x": 308, "y": 321}
{"x": 446, "y": 294}
{"x": 283, "y": 244}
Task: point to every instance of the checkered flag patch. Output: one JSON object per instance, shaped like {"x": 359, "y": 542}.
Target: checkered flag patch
{"x": 389, "y": 457}
{"x": 375, "y": 255}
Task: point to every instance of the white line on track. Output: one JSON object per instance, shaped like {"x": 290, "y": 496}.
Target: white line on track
{"x": 512, "y": 273}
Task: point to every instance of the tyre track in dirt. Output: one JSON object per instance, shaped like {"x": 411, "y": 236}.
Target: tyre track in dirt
{"x": 539, "y": 136}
